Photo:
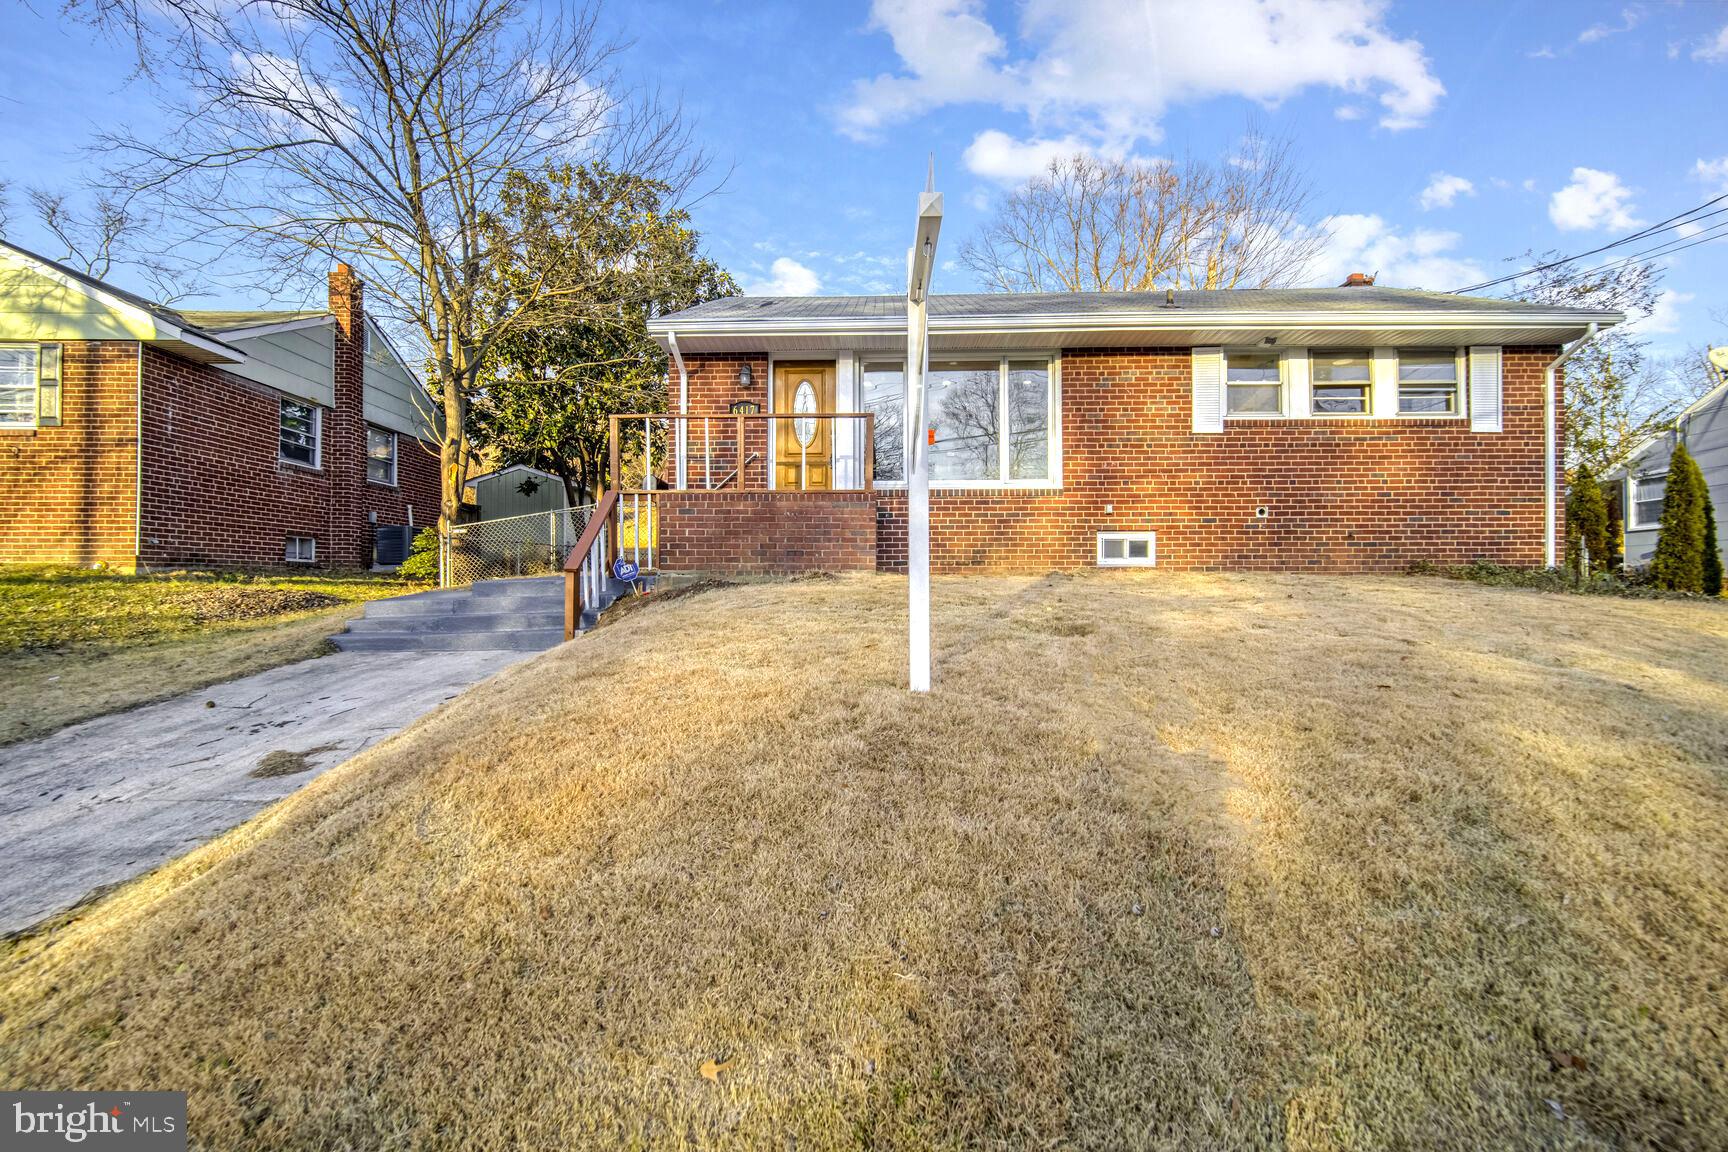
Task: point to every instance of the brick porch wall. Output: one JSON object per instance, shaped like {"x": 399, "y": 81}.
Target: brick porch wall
{"x": 69, "y": 494}
{"x": 1341, "y": 495}
{"x": 766, "y": 533}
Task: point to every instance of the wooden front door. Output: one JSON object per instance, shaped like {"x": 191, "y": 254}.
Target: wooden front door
{"x": 803, "y": 449}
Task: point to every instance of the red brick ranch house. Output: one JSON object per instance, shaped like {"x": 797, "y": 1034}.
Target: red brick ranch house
{"x": 1337, "y": 430}
{"x": 135, "y": 435}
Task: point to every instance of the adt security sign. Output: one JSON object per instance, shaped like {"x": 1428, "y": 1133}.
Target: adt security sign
{"x": 624, "y": 569}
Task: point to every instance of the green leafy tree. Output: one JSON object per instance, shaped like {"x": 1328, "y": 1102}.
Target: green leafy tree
{"x": 1712, "y": 550}
{"x": 1586, "y": 522}
{"x": 552, "y": 386}
{"x": 1679, "y": 561}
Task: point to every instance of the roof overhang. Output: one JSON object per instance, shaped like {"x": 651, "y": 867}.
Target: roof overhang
{"x": 258, "y": 330}
{"x": 1162, "y": 329}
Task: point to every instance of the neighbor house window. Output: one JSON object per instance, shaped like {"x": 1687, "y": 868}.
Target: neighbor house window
{"x": 1127, "y": 549}
{"x": 301, "y": 550}
{"x": 300, "y": 432}
{"x": 29, "y": 385}
{"x": 1340, "y": 381}
{"x": 381, "y": 456}
{"x": 1428, "y": 382}
{"x": 989, "y": 421}
{"x": 1647, "y": 495}
{"x": 1252, "y": 384}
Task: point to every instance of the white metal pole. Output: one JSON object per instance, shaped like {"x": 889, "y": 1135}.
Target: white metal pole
{"x": 921, "y": 263}
{"x": 917, "y": 507}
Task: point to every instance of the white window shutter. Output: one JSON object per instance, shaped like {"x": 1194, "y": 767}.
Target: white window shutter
{"x": 1298, "y": 389}
{"x": 1208, "y": 389}
{"x": 1485, "y": 389}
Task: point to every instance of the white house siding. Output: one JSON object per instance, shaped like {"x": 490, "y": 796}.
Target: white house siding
{"x": 394, "y": 399}
{"x": 297, "y": 362}
{"x": 1706, "y": 434}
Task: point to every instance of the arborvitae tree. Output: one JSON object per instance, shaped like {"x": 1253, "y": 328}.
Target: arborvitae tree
{"x": 1679, "y": 561}
{"x": 1712, "y": 551}
{"x": 1586, "y": 521}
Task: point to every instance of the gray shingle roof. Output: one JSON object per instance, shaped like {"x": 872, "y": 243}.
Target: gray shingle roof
{"x": 1008, "y": 304}
{"x": 234, "y": 321}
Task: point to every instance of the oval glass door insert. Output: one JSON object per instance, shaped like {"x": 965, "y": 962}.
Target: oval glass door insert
{"x": 804, "y": 400}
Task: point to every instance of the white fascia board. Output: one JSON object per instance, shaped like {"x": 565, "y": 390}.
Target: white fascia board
{"x": 227, "y": 352}
{"x": 1143, "y": 322}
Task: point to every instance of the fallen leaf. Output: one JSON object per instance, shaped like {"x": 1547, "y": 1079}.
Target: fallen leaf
{"x": 1568, "y": 1060}
{"x": 711, "y": 1071}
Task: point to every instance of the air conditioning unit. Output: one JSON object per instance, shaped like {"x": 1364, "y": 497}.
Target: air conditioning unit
{"x": 390, "y": 544}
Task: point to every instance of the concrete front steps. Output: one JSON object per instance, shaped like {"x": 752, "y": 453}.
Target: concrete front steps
{"x": 521, "y": 615}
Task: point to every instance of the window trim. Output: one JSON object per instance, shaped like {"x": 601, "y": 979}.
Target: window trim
{"x": 1053, "y": 367}
{"x": 37, "y": 389}
{"x": 1460, "y": 381}
{"x": 317, "y": 463}
{"x": 1633, "y": 524}
{"x": 395, "y": 450}
{"x": 1151, "y": 560}
{"x": 1277, "y": 354}
{"x": 288, "y": 543}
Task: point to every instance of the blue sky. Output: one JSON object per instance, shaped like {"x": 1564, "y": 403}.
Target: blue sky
{"x": 1441, "y": 137}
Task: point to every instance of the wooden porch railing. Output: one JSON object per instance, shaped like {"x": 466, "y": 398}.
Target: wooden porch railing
{"x": 592, "y": 548}
{"x": 718, "y": 451}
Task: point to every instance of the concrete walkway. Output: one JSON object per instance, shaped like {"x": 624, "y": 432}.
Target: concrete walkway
{"x": 111, "y": 798}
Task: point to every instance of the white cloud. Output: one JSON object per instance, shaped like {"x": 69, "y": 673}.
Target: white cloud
{"x": 1713, "y": 49}
{"x": 1348, "y": 112}
{"x": 284, "y": 93}
{"x": 1687, "y": 229}
{"x": 1594, "y": 199}
{"x": 1443, "y": 188}
{"x": 1629, "y": 19}
{"x": 1424, "y": 258}
{"x": 1714, "y": 173}
{"x": 786, "y": 277}
{"x": 998, "y": 156}
{"x": 1107, "y": 71}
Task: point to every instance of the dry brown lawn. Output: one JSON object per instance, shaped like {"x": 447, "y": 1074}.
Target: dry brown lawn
{"x": 1164, "y": 861}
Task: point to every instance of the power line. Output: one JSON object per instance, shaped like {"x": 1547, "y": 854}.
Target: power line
{"x": 1686, "y": 217}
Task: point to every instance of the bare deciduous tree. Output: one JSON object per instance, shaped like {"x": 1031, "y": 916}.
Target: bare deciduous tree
{"x": 383, "y": 134}
{"x": 1092, "y": 225}
{"x": 106, "y": 236}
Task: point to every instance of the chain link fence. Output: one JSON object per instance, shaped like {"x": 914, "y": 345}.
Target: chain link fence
{"x": 534, "y": 544}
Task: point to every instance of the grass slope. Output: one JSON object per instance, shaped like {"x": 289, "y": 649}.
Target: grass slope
{"x": 77, "y": 643}
{"x": 1165, "y": 861}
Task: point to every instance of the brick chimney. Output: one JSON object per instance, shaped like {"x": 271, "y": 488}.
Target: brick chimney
{"x": 1358, "y": 280}
{"x": 345, "y": 430}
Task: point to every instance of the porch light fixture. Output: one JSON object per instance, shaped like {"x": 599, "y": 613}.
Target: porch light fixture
{"x": 746, "y": 378}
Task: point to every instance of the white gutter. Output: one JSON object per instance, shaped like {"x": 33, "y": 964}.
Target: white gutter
{"x": 1162, "y": 319}
{"x": 1550, "y": 463}
{"x": 683, "y": 400}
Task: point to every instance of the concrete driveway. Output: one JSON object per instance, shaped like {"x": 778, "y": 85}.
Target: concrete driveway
{"x": 111, "y": 798}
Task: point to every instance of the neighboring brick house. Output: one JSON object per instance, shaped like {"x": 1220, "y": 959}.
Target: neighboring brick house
{"x": 1336, "y": 430}
{"x": 137, "y": 436}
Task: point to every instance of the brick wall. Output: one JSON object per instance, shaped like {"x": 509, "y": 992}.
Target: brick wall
{"x": 217, "y": 493}
{"x": 1341, "y": 495}
{"x": 69, "y": 494}
{"x": 344, "y": 448}
{"x": 766, "y": 533}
